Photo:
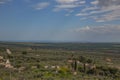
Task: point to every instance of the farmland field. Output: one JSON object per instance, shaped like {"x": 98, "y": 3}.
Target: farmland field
{"x": 59, "y": 61}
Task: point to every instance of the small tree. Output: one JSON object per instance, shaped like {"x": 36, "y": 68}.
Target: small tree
{"x": 89, "y": 61}
{"x": 83, "y": 60}
{"x": 113, "y": 70}
{"x": 74, "y": 65}
{"x": 24, "y": 52}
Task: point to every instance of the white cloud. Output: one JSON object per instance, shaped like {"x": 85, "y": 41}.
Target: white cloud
{"x": 41, "y": 5}
{"x": 115, "y": 15}
{"x": 100, "y": 29}
{"x": 102, "y": 10}
{"x": 89, "y": 9}
{"x": 83, "y": 18}
{"x": 64, "y": 6}
{"x": 106, "y": 33}
{"x": 106, "y": 3}
{"x": 87, "y": 28}
{"x": 66, "y": 1}
{"x": 95, "y": 2}
{"x": 82, "y": 14}
{"x": 4, "y": 1}
{"x": 98, "y": 10}
{"x": 110, "y": 13}
{"x": 82, "y": 2}
{"x": 68, "y": 4}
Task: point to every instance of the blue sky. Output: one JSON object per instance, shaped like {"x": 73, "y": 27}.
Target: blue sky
{"x": 60, "y": 20}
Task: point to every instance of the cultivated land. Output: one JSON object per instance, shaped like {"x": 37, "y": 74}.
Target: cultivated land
{"x": 59, "y": 61}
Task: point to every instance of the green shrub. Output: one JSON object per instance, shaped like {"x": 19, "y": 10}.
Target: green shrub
{"x": 113, "y": 70}
{"x": 24, "y": 52}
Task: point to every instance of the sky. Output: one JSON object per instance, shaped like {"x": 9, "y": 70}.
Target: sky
{"x": 60, "y": 20}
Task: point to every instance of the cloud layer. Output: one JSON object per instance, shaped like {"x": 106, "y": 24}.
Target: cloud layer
{"x": 41, "y": 5}
{"x": 68, "y": 4}
{"x": 97, "y": 10}
{"x": 106, "y": 33}
{"x": 4, "y": 1}
{"x": 102, "y": 10}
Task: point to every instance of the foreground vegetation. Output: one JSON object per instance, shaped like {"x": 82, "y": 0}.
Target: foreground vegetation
{"x": 59, "y": 61}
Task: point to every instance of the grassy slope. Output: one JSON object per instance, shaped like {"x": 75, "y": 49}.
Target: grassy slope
{"x": 56, "y": 54}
